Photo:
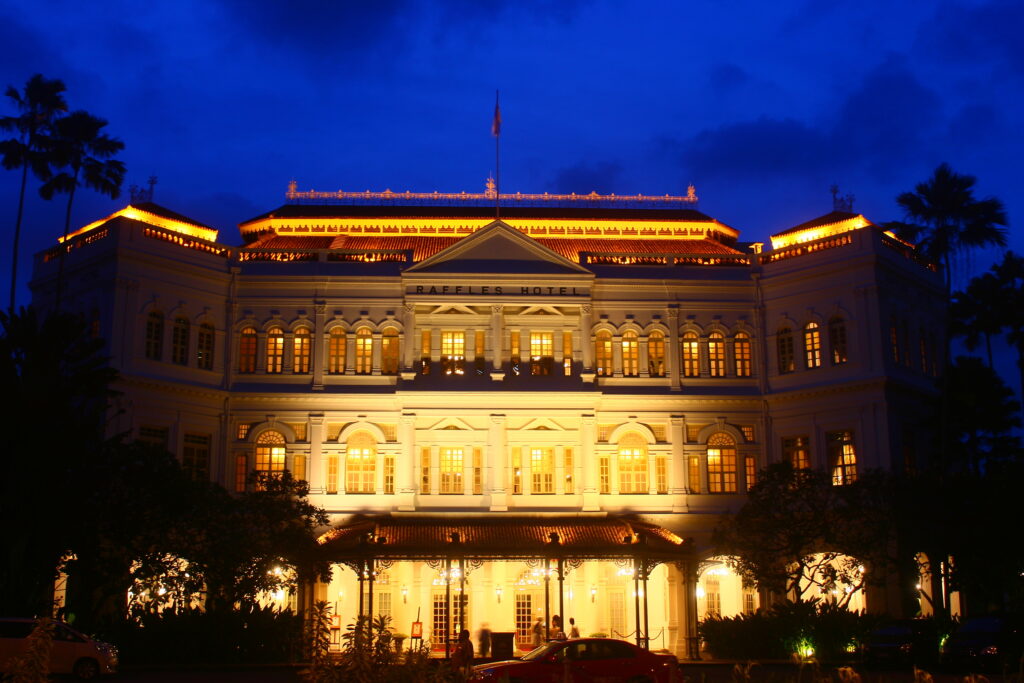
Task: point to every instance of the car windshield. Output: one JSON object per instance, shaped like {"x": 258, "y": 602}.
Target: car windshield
{"x": 982, "y": 625}
{"x": 541, "y": 652}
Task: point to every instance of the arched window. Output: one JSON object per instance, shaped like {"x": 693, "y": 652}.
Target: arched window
{"x": 784, "y": 341}
{"x": 630, "y": 354}
{"x": 155, "y": 335}
{"x": 632, "y": 464}
{"x": 812, "y": 345}
{"x": 247, "y": 350}
{"x": 716, "y": 354}
{"x": 603, "y": 353}
{"x": 364, "y": 351}
{"x": 270, "y": 455}
{"x": 179, "y": 341}
{"x": 721, "y": 463}
{"x": 691, "y": 355}
{"x": 360, "y": 463}
{"x": 742, "y": 354}
{"x": 336, "y": 352}
{"x": 204, "y": 347}
{"x": 389, "y": 352}
{"x": 542, "y": 470}
{"x": 656, "y": 354}
{"x": 837, "y": 340}
{"x": 275, "y": 350}
{"x": 302, "y": 344}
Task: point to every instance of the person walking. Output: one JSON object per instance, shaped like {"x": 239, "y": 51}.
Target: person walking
{"x": 538, "y": 633}
{"x": 573, "y": 631}
{"x": 462, "y": 658}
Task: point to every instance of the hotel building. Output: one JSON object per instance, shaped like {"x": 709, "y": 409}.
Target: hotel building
{"x": 545, "y": 413}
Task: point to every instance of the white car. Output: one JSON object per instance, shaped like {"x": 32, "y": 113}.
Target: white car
{"x": 72, "y": 652}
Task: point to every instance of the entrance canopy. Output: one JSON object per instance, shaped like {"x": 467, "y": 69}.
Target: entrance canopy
{"x": 425, "y": 537}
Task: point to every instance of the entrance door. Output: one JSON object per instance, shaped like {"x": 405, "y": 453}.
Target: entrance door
{"x": 442, "y": 631}
{"x": 524, "y": 621}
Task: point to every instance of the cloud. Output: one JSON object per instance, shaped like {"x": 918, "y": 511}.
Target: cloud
{"x": 727, "y": 77}
{"x": 585, "y": 177}
{"x": 986, "y": 34}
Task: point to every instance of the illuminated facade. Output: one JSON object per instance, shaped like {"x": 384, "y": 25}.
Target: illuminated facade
{"x": 591, "y": 381}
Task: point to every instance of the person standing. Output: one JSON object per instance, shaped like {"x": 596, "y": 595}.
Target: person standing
{"x": 485, "y": 640}
{"x": 538, "y": 633}
{"x": 462, "y": 658}
{"x": 573, "y": 631}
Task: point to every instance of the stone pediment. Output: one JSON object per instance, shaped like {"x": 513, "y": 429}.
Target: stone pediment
{"x": 498, "y": 248}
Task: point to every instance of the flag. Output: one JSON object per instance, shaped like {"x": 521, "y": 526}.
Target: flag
{"x": 496, "y": 124}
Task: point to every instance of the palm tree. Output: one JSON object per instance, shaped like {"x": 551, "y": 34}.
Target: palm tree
{"x": 948, "y": 221}
{"x": 84, "y": 154}
{"x": 979, "y": 312}
{"x": 1010, "y": 275}
{"x": 38, "y": 105}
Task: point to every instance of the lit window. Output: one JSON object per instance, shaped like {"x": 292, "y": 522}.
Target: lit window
{"x": 204, "y": 347}
{"x": 567, "y": 353}
{"x": 247, "y": 350}
{"x": 480, "y": 359}
{"x": 661, "y": 474}
{"x": 632, "y": 464}
{"x": 425, "y": 352}
{"x": 750, "y": 471}
{"x": 721, "y": 464}
{"x": 451, "y": 470}
{"x": 630, "y": 354}
{"x": 478, "y": 471}
{"x": 656, "y": 354}
{"x": 241, "y": 471}
{"x": 155, "y": 335}
{"x": 336, "y": 352}
{"x": 742, "y": 354}
{"x": 542, "y": 470}
{"x": 716, "y": 354}
{"x": 691, "y": 355}
{"x": 195, "y": 457}
{"x": 514, "y": 342}
{"x": 302, "y": 343}
{"x": 693, "y": 474}
{"x": 842, "y": 457}
{"x": 604, "y": 473}
{"x": 389, "y": 352}
{"x": 425, "y": 471}
{"x": 270, "y": 455}
{"x": 389, "y": 474}
{"x": 542, "y": 353}
{"x": 453, "y": 353}
{"x": 784, "y": 341}
{"x": 332, "y": 474}
{"x": 812, "y": 345}
{"x": 570, "y": 486}
{"x": 517, "y": 471}
{"x": 179, "y": 341}
{"x": 364, "y": 351}
{"x": 360, "y": 463}
{"x": 275, "y": 350}
{"x": 796, "y": 451}
{"x": 837, "y": 340}
{"x": 603, "y": 353}
{"x": 299, "y": 467}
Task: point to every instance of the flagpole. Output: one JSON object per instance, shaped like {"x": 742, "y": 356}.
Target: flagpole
{"x": 496, "y": 132}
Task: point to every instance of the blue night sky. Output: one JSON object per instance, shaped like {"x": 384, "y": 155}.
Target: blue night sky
{"x": 762, "y": 106}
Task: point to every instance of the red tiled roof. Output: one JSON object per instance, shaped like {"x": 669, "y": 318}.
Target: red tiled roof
{"x": 500, "y": 537}
{"x": 163, "y": 211}
{"x": 571, "y": 247}
{"x": 271, "y": 241}
{"x": 827, "y": 219}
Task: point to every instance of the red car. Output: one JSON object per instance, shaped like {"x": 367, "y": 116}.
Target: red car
{"x": 583, "y": 660}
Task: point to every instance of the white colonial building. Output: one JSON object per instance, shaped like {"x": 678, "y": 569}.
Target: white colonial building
{"x": 510, "y": 419}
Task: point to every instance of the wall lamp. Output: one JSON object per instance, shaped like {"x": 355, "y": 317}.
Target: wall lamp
{"x": 593, "y": 593}
{"x": 405, "y": 594}
{"x": 497, "y": 592}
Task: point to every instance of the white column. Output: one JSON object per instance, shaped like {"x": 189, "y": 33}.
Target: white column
{"x": 409, "y": 345}
{"x": 677, "y": 465}
{"x": 318, "y": 345}
{"x": 672, "y": 360}
{"x": 315, "y": 466}
{"x": 496, "y": 464}
{"x": 588, "y": 434}
{"x": 405, "y": 463}
{"x": 497, "y": 337}
{"x": 376, "y": 337}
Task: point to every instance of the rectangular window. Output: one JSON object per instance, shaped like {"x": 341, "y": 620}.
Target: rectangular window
{"x": 837, "y": 341}
{"x": 336, "y": 352}
{"x": 478, "y": 471}
{"x": 179, "y": 341}
{"x": 364, "y": 351}
{"x": 451, "y": 470}
{"x": 796, "y": 451}
{"x": 567, "y": 353}
{"x": 693, "y": 431}
{"x": 524, "y": 620}
{"x": 302, "y": 344}
{"x": 332, "y": 474}
{"x": 605, "y": 473}
{"x": 721, "y": 469}
{"x": 204, "y": 347}
{"x": 749, "y": 600}
{"x": 155, "y": 436}
{"x": 716, "y": 354}
{"x": 812, "y": 346}
{"x": 299, "y": 467}
{"x": 480, "y": 359}
{"x": 453, "y": 353}
{"x": 842, "y": 457}
{"x": 425, "y": 353}
{"x": 542, "y": 353}
{"x": 154, "y": 336}
{"x": 784, "y": 342}
{"x": 241, "y": 471}
{"x": 360, "y": 469}
{"x": 517, "y": 470}
{"x": 382, "y": 603}
{"x": 693, "y": 474}
{"x": 513, "y": 350}
{"x": 275, "y": 350}
{"x": 603, "y": 353}
{"x": 748, "y": 433}
{"x": 630, "y": 354}
{"x": 742, "y": 353}
{"x": 425, "y": 471}
{"x": 195, "y": 456}
{"x": 661, "y": 473}
{"x": 243, "y": 431}
{"x": 656, "y": 354}
{"x": 570, "y": 482}
{"x": 389, "y": 352}
{"x": 691, "y": 355}
{"x": 389, "y": 474}
{"x": 542, "y": 470}
{"x": 750, "y": 471}
{"x": 712, "y": 596}
{"x": 247, "y": 351}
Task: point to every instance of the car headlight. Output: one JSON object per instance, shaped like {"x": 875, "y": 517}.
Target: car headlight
{"x": 906, "y": 647}
{"x": 990, "y": 651}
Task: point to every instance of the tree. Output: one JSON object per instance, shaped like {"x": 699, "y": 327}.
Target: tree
{"x": 85, "y": 155}
{"x": 982, "y": 415}
{"x": 1010, "y": 276}
{"x": 797, "y": 531}
{"x": 948, "y": 221}
{"x": 39, "y": 104}
{"x": 979, "y": 312}
{"x": 52, "y": 411}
